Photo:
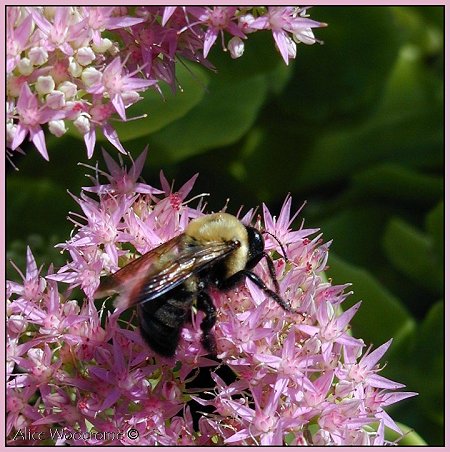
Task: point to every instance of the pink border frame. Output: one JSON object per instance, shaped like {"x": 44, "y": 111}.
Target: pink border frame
{"x": 201, "y": 2}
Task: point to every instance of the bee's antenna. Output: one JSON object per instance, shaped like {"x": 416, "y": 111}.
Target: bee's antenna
{"x": 279, "y": 243}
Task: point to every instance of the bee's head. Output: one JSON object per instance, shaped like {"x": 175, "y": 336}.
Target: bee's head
{"x": 255, "y": 247}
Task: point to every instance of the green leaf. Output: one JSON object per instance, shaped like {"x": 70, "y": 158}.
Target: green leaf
{"x": 43, "y": 250}
{"x": 406, "y": 128}
{"x": 223, "y": 116}
{"x": 279, "y": 77}
{"x": 411, "y": 85}
{"x": 427, "y": 376}
{"x": 344, "y": 77}
{"x": 260, "y": 57}
{"x": 422, "y": 26}
{"x": 411, "y": 437}
{"x": 381, "y": 315}
{"x": 398, "y": 183}
{"x": 435, "y": 227}
{"x": 411, "y": 252}
{"x": 355, "y": 231}
{"x": 36, "y": 206}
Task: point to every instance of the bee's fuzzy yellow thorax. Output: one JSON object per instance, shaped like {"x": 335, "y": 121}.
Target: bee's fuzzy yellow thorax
{"x": 222, "y": 227}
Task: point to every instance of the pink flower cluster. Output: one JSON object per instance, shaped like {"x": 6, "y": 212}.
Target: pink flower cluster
{"x": 81, "y": 374}
{"x": 84, "y": 66}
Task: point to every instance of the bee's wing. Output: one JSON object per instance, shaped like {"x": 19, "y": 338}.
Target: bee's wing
{"x": 147, "y": 264}
{"x": 162, "y": 269}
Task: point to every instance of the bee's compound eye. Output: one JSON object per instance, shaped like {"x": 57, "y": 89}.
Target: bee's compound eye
{"x": 255, "y": 246}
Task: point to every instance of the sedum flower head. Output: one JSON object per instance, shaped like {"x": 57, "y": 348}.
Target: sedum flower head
{"x": 86, "y": 65}
{"x": 280, "y": 378}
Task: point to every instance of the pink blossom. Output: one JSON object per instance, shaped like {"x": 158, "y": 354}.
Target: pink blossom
{"x": 31, "y": 116}
{"x": 84, "y": 66}
{"x": 18, "y": 35}
{"x": 33, "y": 285}
{"x": 279, "y": 378}
{"x": 116, "y": 84}
{"x": 217, "y": 20}
{"x": 98, "y": 116}
{"x": 104, "y": 18}
{"x": 121, "y": 180}
{"x": 280, "y": 227}
{"x": 283, "y": 21}
{"x": 59, "y": 33}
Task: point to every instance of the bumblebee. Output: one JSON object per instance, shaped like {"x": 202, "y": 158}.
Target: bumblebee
{"x": 215, "y": 250}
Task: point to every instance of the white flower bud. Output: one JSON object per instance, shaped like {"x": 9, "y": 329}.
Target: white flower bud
{"x": 85, "y": 56}
{"x": 55, "y": 100}
{"x": 57, "y": 127}
{"x": 236, "y": 47}
{"x": 25, "y": 66}
{"x": 38, "y": 56}
{"x": 304, "y": 35}
{"x": 11, "y": 130}
{"x": 82, "y": 124}
{"x": 45, "y": 84}
{"x": 69, "y": 89}
{"x": 74, "y": 68}
{"x": 91, "y": 76}
{"x": 103, "y": 46}
{"x": 114, "y": 50}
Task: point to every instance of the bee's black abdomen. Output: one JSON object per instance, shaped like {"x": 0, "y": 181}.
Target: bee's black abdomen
{"x": 160, "y": 338}
{"x": 161, "y": 320}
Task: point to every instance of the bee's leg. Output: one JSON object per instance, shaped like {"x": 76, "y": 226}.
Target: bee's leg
{"x": 205, "y": 304}
{"x": 232, "y": 281}
{"x": 273, "y": 276}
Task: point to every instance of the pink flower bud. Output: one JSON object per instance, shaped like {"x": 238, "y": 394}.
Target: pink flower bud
{"x": 245, "y": 23}
{"x": 71, "y": 307}
{"x": 38, "y": 56}
{"x": 17, "y": 324}
{"x": 69, "y": 89}
{"x": 55, "y": 100}
{"x": 130, "y": 98}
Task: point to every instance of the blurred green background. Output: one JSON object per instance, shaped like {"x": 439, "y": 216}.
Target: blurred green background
{"x": 355, "y": 127}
